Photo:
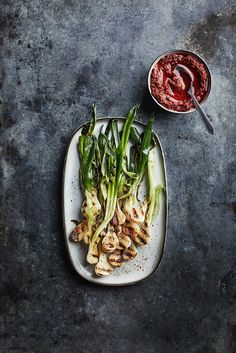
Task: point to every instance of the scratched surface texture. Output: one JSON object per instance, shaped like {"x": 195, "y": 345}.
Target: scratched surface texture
{"x": 56, "y": 58}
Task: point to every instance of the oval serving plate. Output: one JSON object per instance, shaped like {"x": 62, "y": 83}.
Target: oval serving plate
{"x": 149, "y": 256}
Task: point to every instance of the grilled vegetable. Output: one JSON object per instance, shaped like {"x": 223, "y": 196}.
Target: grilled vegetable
{"x": 78, "y": 233}
{"x": 116, "y": 258}
{"x": 130, "y": 252}
{"x": 153, "y": 200}
{"x": 103, "y": 268}
{"x": 110, "y": 241}
{"x": 113, "y": 216}
{"x": 91, "y": 206}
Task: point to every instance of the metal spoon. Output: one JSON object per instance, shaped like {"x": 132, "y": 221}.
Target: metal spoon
{"x": 205, "y": 118}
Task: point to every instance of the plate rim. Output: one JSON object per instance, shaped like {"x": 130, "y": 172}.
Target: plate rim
{"x": 94, "y": 280}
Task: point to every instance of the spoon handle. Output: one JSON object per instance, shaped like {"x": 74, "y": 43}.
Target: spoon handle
{"x": 205, "y": 118}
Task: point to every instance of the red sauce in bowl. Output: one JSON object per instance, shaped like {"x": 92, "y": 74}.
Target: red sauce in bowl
{"x": 170, "y": 87}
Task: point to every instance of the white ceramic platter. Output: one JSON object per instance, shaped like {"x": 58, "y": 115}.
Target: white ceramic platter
{"x": 149, "y": 256}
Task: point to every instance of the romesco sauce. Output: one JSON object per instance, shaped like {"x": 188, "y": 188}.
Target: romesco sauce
{"x": 170, "y": 87}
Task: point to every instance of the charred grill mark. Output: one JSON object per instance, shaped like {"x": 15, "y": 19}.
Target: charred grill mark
{"x": 129, "y": 230}
{"x": 102, "y": 269}
{"x": 130, "y": 254}
{"x": 120, "y": 247}
{"x": 119, "y": 260}
{"x": 116, "y": 258}
{"x": 144, "y": 236}
{"x": 115, "y": 263}
{"x": 98, "y": 239}
{"x": 135, "y": 214}
{"x": 138, "y": 240}
{"x": 110, "y": 241}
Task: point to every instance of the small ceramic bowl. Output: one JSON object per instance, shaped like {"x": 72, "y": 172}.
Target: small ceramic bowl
{"x": 180, "y": 51}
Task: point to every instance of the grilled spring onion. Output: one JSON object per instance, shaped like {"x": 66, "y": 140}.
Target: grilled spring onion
{"x": 139, "y": 218}
{"x": 153, "y": 196}
{"x": 91, "y": 206}
{"x": 142, "y": 150}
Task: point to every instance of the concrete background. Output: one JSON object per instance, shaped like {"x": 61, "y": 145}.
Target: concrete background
{"x": 57, "y": 57}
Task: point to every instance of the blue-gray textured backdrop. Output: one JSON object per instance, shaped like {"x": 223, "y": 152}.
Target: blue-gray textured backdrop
{"x": 57, "y": 57}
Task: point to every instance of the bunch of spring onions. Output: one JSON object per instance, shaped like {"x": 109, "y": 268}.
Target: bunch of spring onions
{"x": 114, "y": 220}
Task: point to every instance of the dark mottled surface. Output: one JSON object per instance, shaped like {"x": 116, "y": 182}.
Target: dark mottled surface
{"x": 57, "y": 57}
